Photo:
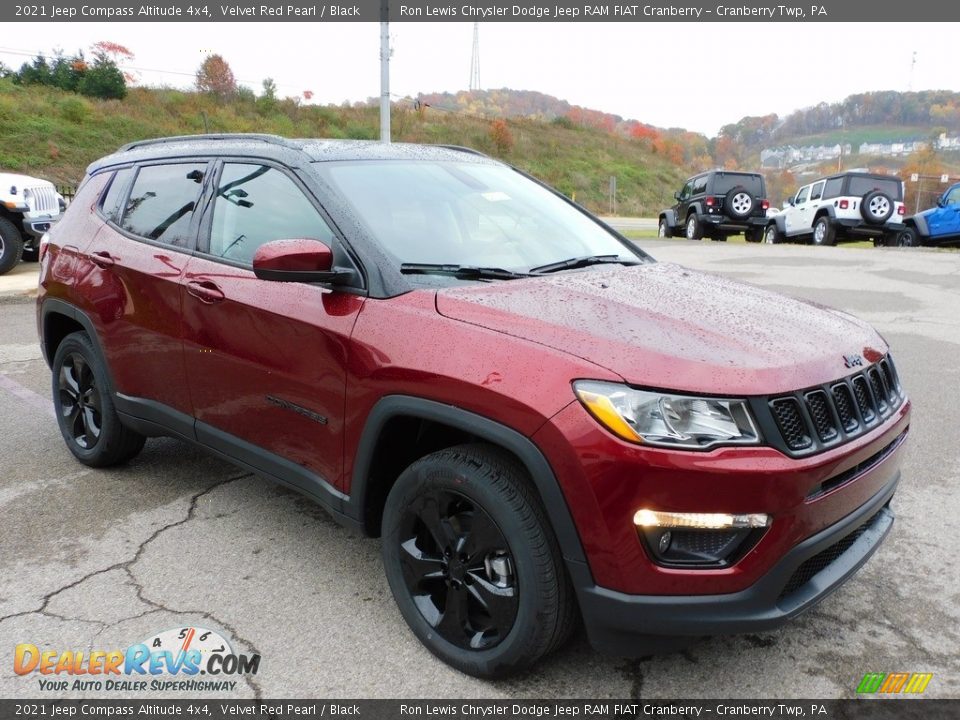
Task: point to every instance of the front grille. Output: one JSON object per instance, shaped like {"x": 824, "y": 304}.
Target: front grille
{"x": 823, "y": 559}
{"x": 817, "y": 418}
{"x": 42, "y": 199}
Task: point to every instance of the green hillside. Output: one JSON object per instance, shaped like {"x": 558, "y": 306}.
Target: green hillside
{"x": 56, "y": 134}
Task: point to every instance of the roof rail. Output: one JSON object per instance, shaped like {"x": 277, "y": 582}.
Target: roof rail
{"x": 461, "y": 148}
{"x": 272, "y": 139}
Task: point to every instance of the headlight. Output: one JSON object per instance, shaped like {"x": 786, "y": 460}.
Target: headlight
{"x": 666, "y": 419}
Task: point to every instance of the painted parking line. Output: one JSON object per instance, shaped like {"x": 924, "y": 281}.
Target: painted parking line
{"x": 26, "y": 395}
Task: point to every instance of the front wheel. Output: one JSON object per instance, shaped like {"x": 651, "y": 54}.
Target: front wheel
{"x": 85, "y": 411}
{"x": 11, "y": 246}
{"x": 823, "y": 232}
{"x": 664, "y": 230}
{"x": 771, "y": 235}
{"x": 473, "y": 564}
{"x": 906, "y": 238}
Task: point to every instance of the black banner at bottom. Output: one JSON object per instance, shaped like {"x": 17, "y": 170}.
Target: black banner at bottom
{"x": 861, "y": 709}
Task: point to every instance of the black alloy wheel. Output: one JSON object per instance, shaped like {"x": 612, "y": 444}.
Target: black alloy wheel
{"x": 84, "y": 406}
{"x": 458, "y": 569}
{"x": 80, "y": 401}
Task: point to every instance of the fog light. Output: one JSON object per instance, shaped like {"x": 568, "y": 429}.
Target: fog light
{"x": 699, "y": 521}
{"x": 664, "y": 543}
{"x": 698, "y": 540}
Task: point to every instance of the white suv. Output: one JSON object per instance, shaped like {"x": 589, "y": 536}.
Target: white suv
{"x": 28, "y": 208}
{"x": 846, "y": 206}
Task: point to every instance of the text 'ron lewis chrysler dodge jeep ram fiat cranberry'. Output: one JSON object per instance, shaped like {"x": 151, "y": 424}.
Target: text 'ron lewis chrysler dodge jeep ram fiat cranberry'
{"x": 543, "y": 424}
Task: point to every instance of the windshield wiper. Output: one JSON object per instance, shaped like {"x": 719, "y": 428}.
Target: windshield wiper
{"x": 579, "y": 262}
{"x": 463, "y": 272}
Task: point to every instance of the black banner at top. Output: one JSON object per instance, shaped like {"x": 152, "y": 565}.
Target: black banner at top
{"x": 713, "y": 11}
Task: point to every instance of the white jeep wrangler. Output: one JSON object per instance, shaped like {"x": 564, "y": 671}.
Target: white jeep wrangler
{"x": 846, "y": 206}
{"x": 28, "y": 208}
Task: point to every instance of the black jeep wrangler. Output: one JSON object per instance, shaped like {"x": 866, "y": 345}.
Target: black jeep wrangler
{"x": 717, "y": 204}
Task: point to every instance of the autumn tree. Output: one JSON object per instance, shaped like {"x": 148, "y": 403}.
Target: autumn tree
{"x": 501, "y": 136}
{"x": 215, "y": 77}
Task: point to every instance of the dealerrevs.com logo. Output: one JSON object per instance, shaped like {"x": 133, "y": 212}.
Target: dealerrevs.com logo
{"x": 898, "y": 682}
{"x": 192, "y": 659}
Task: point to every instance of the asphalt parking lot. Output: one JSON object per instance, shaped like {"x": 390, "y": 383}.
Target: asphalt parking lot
{"x": 103, "y": 559}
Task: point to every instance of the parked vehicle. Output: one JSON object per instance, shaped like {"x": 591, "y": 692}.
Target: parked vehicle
{"x": 939, "y": 225}
{"x": 28, "y": 208}
{"x": 543, "y": 423}
{"x": 846, "y": 206}
{"x": 717, "y": 204}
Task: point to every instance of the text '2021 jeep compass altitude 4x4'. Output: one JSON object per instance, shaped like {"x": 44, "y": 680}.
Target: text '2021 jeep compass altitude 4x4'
{"x": 541, "y": 421}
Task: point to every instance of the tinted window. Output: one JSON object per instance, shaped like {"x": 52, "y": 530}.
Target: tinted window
{"x": 687, "y": 190}
{"x": 115, "y": 191}
{"x": 700, "y": 185}
{"x": 803, "y": 195}
{"x": 860, "y": 186}
{"x": 256, "y": 204}
{"x": 817, "y": 192}
{"x": 725, "y": 182}
{"x": 162, "y": 202}
{"x": 833, "y": 188}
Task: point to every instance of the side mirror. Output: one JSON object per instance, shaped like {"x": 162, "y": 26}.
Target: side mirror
{"x": 787, "y": 203}
{"x": 676, "y": 195}
{"x": 299, "y": 260}
{"x": 942, "y": 201}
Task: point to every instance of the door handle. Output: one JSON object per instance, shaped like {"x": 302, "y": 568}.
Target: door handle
{"x": 205, "y": 291}
{"x": 103, "y": 259}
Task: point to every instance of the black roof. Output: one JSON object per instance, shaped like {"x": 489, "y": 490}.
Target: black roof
{"x": 274, "y": 146}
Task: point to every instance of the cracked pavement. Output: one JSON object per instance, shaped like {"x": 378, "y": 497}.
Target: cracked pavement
{"x": 101, "y": 559}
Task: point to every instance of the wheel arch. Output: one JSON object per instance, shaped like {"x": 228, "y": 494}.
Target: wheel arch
{"x": 57, "y": 320}
{"x": 670, "y": 216}
{"x": 392, "y": 420}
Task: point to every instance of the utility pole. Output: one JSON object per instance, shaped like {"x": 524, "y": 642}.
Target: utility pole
{"x": 475, "y": 59}
{"x": 384, "y": 71}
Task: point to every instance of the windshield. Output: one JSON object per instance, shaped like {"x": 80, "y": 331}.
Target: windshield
{"x": 472, "y": 214}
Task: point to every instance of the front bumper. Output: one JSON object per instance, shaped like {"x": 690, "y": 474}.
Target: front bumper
{"x": 621, "y": 624}
{"x": 36, "y": 224}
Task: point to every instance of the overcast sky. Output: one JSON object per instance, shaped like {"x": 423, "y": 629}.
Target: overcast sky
{"x": 694, "y": 75}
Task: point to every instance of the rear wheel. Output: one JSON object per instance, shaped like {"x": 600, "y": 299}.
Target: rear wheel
{"x": 694, "y": 229}
{"x": 85, "y": 413}
{"x": 823, "y": 232}
{"x": 472, "y": 563}
{"x": 11, "y": 246}
{"x": 753, "y": 235}
{"x": 772, "y": 235}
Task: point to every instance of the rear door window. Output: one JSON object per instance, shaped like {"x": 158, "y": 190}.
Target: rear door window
{"x": 162, "y": 202}
{"x": 833, "y": 188}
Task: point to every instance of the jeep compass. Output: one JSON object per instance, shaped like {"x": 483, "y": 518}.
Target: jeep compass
{"x": 544, "y": 425}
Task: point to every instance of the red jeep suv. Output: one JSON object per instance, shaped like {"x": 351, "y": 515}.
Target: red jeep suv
{"x": 541, "y": 422}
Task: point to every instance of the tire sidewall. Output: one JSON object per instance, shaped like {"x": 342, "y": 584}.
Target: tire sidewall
{"x": 770, "y": 235}
{"x": 427, "y": 475}
{"x": 692, "y": 228}
{"x": 728, "y": 203}
{"x": 825, "y": 240}
{"x": 865, "y": 208}
{"x": 11, "y": 246}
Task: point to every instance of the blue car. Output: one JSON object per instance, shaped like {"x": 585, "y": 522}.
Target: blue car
{"x": 939, "y": 225}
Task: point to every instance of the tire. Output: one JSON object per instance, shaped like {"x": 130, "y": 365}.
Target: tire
{"x": 11, "y": 246}
{"x": 720, "y": 237}
{"x": 823, "y": 232}
{"x": 85, "y": 413}
{"x": 907, "y": 237}
{"x": 664, "y": 230}
{"x": 507, "y": 552}
{"x": 772, "y": 235}
{"x": 753, "y": 235}
{"x": 876, "y": 207}
{"x": 737, "y": 203}
{"x": 693, "y": 228}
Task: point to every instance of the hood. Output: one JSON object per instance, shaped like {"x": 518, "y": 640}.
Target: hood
{"x": 21, "y": 181}
{"x": 663, "y": 326}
